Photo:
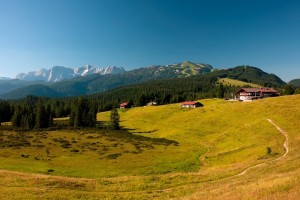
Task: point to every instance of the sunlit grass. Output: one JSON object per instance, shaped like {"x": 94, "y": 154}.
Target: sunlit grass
{"x": 215, "y": 142}
{"x": 233, "y": 82}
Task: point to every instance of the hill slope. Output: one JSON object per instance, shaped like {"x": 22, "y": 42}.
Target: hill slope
{"x": 233, "y": 82}
{"x": 97, "y": 83}
{"x": 216, "y": 143}
{"x": 295, "y": 82}
{"x": 13, "y": 84}
{"x": 191, "y": 88}
{"x": 100, "y": 83}
{"x": 250, "y": 74}
{"x": 35, "y": 90}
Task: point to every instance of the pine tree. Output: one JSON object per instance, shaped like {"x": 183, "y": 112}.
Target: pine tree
{"x": 41, "y": 116}
{"x": 49, "y": 116}
{"x": 5, "y": 111}
{"x": 114, "y": 119}
{"x": 72, "y": 118}
{"x": 142, "y": 100}
{"x": 17, "y": 117}
{"x": 220, "y": 91}
{"x": 83, "y": 113}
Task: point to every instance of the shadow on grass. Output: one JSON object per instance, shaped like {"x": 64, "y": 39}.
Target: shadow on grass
{"x": 140, "y": 132}
{"x": 126, "y": 136}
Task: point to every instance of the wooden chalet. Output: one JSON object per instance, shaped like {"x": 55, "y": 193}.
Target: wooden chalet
{"x": 190, "y": 104}
{"x": 249, "y": 94}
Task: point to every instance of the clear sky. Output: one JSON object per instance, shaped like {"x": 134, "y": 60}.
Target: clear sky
{"x": 38, "y": 34}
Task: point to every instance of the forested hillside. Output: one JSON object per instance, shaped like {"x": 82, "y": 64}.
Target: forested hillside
{"x": 295, "y": 82}
{"x": 251, "y": 75}
{"x": 100, "y": 83}
{"x": 182, "y": 89}
{"x": 150, "y": 75}
{"x": 163, "y": 91}
{"x": 11, "y": 85}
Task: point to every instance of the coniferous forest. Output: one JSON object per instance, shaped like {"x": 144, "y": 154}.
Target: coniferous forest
{"x": 38, "y": 112}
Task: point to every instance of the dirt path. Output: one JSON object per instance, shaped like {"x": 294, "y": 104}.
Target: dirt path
{"x": 286, "y": 143}
{"x": 286, "y": 146}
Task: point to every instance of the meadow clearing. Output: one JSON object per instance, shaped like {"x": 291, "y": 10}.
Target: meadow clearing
{"x": 164, "y": 152}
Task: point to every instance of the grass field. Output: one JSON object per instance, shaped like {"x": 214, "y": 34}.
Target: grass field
{"x": 233, "y": 82}
{"x": 202, "y": 151}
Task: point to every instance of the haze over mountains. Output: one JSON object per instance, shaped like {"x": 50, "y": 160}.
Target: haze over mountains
{"x": 91, "y": 80}
{"x": 59, "y": 73}
{"x": 4, "y": 78}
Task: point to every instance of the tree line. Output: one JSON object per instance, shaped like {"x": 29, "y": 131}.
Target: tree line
{"x": 38, "y": 112}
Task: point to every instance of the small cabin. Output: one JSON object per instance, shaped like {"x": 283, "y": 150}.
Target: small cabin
{"x": 190, "y": 104}
{"x": 249, "y": 94}
{"x": 152, "y": 103}
{"x": 125, "y": 105}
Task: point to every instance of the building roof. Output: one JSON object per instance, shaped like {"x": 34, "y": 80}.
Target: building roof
{"x": 260, "y": 90}
{"x": 265, "y": 90}
{"x": 189, "y": 103}
{"x": 124, "y": 104}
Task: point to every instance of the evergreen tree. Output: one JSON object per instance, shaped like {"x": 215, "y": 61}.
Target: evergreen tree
{"x": 83, "y": 113}
{"x": 142, "y": 100}
{"x": 42, "y": 116}
{"x": 17, "y": 117}
{"x": 5, "y": 111}
{"x": 114, "y": 119}
{"x": 91, "y": 117}
{"x": 72, "y": 118}
{"x": 49, "y": 115}
{"x": 288, "y": 90}
{"x": 220, "y": 91}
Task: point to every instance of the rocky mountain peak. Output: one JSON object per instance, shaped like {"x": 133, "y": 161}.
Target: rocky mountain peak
{"x": 59, "y": 73}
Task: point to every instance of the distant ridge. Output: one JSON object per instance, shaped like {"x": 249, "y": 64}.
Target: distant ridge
{"x": 4, "y": 78}
{"x": 35, "y": 90}
{"x": 113, "y": 77}
{"x": 96, "y": 83}
{"x": 60, "y": 73}
{"x": 295, "y": 82}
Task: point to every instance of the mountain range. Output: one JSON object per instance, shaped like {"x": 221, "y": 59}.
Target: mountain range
{"x": 59, "y": 73}
{"x": 84, "y": 84}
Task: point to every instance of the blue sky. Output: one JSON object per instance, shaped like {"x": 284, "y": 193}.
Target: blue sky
{"x": 38, "y": 34}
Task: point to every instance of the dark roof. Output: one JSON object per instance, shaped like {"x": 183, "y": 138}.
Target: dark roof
{"x": 261, "y": 90}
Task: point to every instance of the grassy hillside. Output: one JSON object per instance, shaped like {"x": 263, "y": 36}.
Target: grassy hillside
{"x": 203, "y": 151}
{"x": 232, "y": 82}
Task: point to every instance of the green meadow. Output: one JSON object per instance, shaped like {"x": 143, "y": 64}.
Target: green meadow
{"x": 233, "y": 82}
{"x": 162, "y": 152}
